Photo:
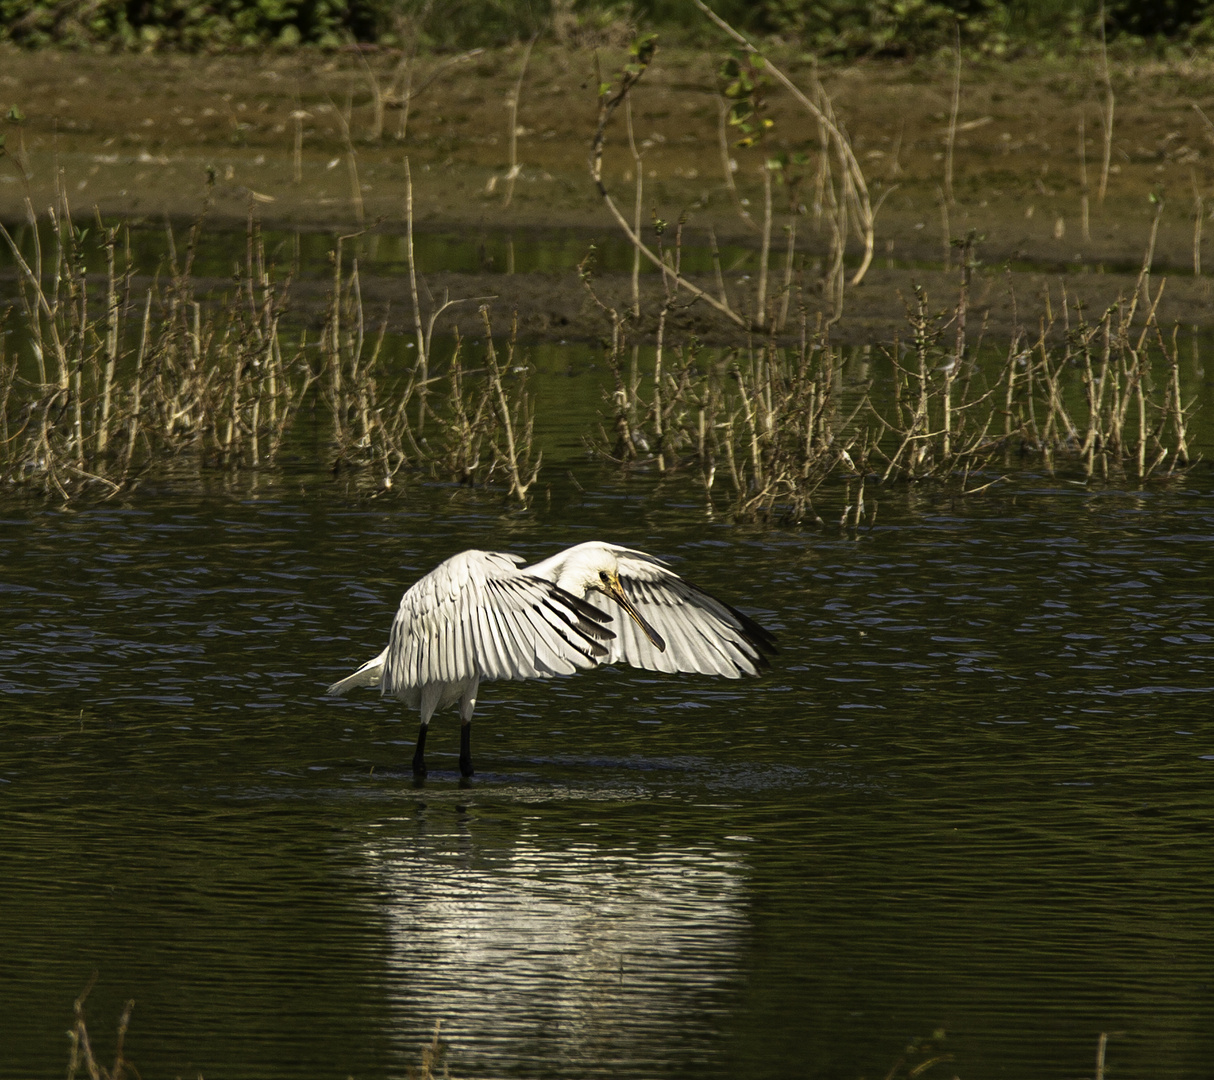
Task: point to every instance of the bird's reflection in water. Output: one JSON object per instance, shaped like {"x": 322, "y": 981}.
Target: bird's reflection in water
{"x": 577, "y": 959}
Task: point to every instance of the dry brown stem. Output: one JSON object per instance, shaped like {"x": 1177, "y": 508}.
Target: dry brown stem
{"x": 512, "y": 104}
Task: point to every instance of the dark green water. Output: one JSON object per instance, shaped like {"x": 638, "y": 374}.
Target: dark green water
{"x": 383, "y": 254}
{"x": 976, "y": 792}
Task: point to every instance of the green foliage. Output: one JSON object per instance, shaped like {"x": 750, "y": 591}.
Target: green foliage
{"x": 640, "y": 56}
{"x": 743, "y": 85}
{"x": 190, "y": 24}
{"x": 909, "y": 27}
{"x": 873, "y": 27}
{"x": 1157, "y": 18}
{"x": 464, "y": 24}
{"x": 825, "y": 27}
{"x": 641, "y": 51}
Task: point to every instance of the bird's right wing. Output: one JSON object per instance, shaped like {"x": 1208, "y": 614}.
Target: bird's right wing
{"x": 701, "y": 633}
{"x": 479, "y": 615}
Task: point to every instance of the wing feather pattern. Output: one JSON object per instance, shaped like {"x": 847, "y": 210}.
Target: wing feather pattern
{"x": 703, "y": 634}
{"x": 479, "y": 616}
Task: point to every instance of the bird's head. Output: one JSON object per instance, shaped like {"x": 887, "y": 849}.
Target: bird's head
{"x": 597, "y": 570}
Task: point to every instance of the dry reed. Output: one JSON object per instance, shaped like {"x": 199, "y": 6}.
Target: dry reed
{"x": 82, "y": 1055}
{"x": 110, "y": 385}
{"x": 764, "y": 426}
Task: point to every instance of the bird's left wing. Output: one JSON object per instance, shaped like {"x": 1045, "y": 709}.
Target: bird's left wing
{"x": 702, "y": 634}
{"x": 478, "y": 615}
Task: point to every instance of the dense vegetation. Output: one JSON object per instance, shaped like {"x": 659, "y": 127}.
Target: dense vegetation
{"x": 828, "y": 27}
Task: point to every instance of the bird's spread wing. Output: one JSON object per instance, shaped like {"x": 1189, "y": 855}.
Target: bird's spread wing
{"x": 479, "y": 616}
{"x": 702, "y": 634}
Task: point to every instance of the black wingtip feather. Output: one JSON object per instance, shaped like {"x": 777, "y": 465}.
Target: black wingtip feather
{"x": 586, "y": 621}
{"x": 760, "y": 638}
{"x": 587, "y": 611}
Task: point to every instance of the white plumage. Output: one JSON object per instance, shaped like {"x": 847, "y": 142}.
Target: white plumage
{"x": 482, "y": 615}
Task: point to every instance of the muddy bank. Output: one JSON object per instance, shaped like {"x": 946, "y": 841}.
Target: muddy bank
{"x": 137, "y": 137}
{"x": 557, "y": 305}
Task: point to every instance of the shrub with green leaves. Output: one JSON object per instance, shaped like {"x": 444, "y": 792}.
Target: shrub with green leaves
{"x": 824, "y": 27}
{"x": 191, "y": 24}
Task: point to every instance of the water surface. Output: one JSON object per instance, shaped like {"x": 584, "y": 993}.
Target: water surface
{"x": 973, "y": 793}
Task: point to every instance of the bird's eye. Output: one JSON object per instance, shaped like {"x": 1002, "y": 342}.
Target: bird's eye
{"x": 604, "y": 577}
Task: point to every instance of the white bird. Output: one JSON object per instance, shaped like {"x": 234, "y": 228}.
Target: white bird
{"x": 482, "y": 615}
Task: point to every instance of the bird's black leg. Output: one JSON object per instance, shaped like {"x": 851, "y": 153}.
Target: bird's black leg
{"x": 465, "y": 748}
{"x": 419, "y": 755}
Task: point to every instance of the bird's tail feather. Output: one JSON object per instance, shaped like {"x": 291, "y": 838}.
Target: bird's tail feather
{"x": 368, "y": 675}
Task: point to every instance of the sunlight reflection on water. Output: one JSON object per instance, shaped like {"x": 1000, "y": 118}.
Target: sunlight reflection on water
{"x": 567, "y": 952}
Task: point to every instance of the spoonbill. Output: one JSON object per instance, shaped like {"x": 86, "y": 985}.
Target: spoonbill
{"x": 483, "y": 615}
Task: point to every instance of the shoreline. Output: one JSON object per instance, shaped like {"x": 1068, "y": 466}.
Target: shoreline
{"x": 138, "y": 136}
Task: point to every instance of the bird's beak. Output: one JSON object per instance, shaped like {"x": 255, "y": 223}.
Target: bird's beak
{"x": 616, "y": 592}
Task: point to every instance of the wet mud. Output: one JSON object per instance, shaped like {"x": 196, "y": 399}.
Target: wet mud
{"x": 150, "y": 138}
